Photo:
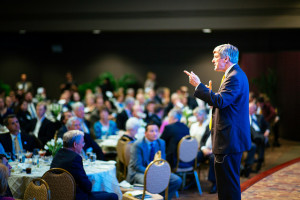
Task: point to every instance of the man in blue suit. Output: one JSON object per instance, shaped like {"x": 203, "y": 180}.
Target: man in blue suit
{"x": 69, "y": 159}
{"x": 230, "y": 119}
{"x": 142, "y": 153}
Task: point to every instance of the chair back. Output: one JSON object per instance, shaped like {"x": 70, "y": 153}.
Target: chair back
{"x": 157, "y": 177}
{"x": 61, "y": 183}
{"x": 121, "y": 148}
{"x": 123, "y": 156}
{"x": 37, "y": 189}
{"x": 187, "y": 149}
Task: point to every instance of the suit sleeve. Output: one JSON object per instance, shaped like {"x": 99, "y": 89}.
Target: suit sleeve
{"x": 137, "y": 158}
{"x": 228, "y": 94}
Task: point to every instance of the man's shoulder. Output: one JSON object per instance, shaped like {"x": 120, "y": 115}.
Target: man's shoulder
{"x": 4, "y": 136}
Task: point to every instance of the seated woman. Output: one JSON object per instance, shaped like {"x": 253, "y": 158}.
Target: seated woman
{"x": 104, "y": 127}
{"x": 3, "y": 183}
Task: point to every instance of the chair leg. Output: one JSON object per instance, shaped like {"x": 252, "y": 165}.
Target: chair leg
{"x": 198, "y": 182}
{"x": 183, "y": 180}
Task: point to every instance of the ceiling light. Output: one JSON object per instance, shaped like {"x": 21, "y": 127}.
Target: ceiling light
{"x": 206, "y": 30}
{"x": 96, "y": 32}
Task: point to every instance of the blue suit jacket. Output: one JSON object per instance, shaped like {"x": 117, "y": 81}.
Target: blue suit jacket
{"x": 140, "y": 154}
{"x": 230, "y": 116}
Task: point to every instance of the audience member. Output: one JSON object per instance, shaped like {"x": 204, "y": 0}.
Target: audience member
{"x": 140, "y": 100}
{"x": 157, "y": 116}
{"x": 31, "y": 105}
{"x": 104, "y": 127}
{"x": 198, "y": 129}
{"x": 5, "y": 168}
{"x": 90, "y": 106}
{"x": 150, "y": 82}
{"x": 24, "y": 85}
{"x": 125, "y": 114}
{"x": 269, "y": 113}
{"x": 70, "y": 84}
{"x": 142, "y": 153}
{"x": 90, "y": 145}
{"x": 175, "y": 102}
{"x": 259, "y": 132}
{"x": 24, "y": 116}
{"x": 16, "y": 141}
{"x": 78, "y": 109}
{"x": 4, "y": 111}
{"x": 172, "y": 134}
{"x": 66, "y": 115}
{"x": 191, "y": 101}
{"x": 132, "y": 126}
{"x": 69, "y": 159}
{"x": 95, "y": 115}
{"x": 149, "y": 110}
{"x": 42, "y": 128}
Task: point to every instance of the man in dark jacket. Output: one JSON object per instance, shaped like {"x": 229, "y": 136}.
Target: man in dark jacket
{"x": 69, "y": 159}
{"x": 172, "y": 134}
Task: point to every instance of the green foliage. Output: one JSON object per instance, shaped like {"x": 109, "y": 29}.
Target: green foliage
{"x": 4, "y": 87}
{"x": 126, "y": 81}
{"x": 267, "y": 83}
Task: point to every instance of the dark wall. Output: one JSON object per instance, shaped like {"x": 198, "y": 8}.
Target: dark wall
{"x": 165, "y": 53}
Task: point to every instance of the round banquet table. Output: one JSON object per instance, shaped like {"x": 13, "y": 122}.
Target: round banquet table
{"x": 102, "y": 174}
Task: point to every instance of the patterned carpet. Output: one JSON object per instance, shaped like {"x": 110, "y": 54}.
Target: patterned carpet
{"x": 282, "y": 182}
{"x": 279, "y": 177}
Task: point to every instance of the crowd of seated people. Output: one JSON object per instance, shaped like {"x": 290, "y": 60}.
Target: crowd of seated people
{"x": 263, "y": 121}
{"x": 99, "y": 115}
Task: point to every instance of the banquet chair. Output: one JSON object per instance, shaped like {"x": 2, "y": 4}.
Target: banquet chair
{"x": 123, "y": 157}
{"x": 61, "y": 183}
{"x": 156, "y": 180}
{"x": 37, "y": 189}
{"x": 187, "y": 151}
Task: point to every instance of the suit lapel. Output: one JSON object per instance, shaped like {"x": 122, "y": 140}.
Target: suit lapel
{"x": 228, "y": 75}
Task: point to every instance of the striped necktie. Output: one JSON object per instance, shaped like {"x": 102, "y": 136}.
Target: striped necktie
{"x": 210, "y": 123}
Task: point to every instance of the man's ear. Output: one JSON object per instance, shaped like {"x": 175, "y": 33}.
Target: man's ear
{"x": 75, "y": 144}
{"x": 227, "y": 59}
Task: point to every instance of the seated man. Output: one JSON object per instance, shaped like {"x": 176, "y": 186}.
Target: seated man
{"x": 4, "y": 161}
{"x": 69, "y": 159}
{"x": 41, "y": 127}
{"x": 66, "y": 115}
{"x": 259, "y": 133}
{"x": 16, "y": 141}
{"x": 142, "y": 153}
{"x": 74, "y": 124}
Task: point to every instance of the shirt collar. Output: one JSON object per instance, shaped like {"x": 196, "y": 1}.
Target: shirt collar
{"x": 13, "y": 136}
{"x": 227, "y": 70}
{"x": 148, "y": 142}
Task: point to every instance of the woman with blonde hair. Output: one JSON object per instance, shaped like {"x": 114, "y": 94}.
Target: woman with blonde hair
{"x": 3, "y": 182}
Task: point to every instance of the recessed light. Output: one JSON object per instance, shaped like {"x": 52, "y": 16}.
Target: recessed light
{"x": 96, "y": 32}
{"x": 206, "y": 30}
{"x": 22, "y": 31}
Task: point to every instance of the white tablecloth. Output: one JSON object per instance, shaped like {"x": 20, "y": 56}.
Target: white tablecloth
{"x": 102, "y": 174}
